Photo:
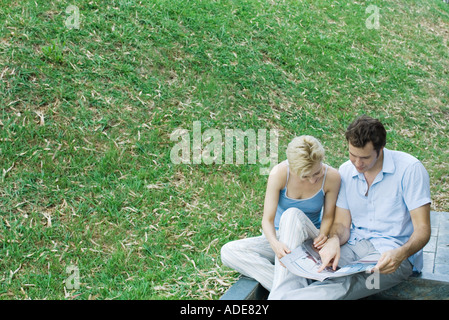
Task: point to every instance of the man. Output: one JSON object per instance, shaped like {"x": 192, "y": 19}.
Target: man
{"x": 382, "y": 211}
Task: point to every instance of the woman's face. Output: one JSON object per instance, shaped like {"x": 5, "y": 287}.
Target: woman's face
{"x": 315, "y": 174}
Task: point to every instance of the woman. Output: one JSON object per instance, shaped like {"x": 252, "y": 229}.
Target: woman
{"x": 299, "y": 204}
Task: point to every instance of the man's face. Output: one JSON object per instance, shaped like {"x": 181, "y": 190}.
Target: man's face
{"x": 364, "y": 158}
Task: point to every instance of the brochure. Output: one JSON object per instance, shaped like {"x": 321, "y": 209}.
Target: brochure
{"x": 305, "y": 261}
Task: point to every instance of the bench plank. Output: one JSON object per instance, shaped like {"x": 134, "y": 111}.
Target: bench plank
{"x": 422, "y": 287}
{"x": 245, "y": 289}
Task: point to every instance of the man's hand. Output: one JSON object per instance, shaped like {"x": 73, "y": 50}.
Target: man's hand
{"x": 330, "y": 253}
{"x": 389, "y": 261}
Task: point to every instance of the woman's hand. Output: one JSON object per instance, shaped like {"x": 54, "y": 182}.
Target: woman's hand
{"x": 319, "y": 241}
{"x": 281, "y": 250}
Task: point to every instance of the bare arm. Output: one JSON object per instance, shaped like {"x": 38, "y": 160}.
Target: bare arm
{"x": 269, "y": 208}
{"x": 332, "y": 187}
{"x": 339, "y": 235}
{"x": 392, "y": 259}
{"x": 276, "y": 181}
{"x": 342, "y": 225}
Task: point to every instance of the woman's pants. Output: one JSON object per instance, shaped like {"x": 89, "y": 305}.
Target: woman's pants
{"x": 254, "y": 257}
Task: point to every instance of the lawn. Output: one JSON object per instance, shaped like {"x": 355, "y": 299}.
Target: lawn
{"x": 92, "y": 205}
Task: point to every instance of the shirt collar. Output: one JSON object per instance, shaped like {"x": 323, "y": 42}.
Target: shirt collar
{"x": 387, "y": 166}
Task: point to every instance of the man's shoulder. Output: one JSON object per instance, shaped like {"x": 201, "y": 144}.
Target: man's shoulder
{"x": 346, "y": 168}
{"x": 405, "y": 162}
{"x": 402, "y": 157}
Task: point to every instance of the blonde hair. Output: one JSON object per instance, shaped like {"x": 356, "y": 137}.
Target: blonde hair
{"x": 303, "y": 153}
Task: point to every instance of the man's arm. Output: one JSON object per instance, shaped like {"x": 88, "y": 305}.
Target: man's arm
{"x": 339, "y": 235}
{"x": 390, "y": 260}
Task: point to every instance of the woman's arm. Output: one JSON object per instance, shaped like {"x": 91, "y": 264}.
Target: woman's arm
{"x": 331, "y": 188}
{"x": 276, "y": 182}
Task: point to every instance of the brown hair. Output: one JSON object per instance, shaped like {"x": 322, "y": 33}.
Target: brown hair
{"x": 365, "y": 129}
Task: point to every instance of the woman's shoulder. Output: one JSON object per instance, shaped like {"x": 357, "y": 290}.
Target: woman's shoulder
{"x": 278, "y": 173}
{"x": 333, "y": 178}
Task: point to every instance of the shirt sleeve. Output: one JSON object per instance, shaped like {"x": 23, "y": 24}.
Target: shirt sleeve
{"x": 342, "y": 201}
{"x": 416, "y": 186}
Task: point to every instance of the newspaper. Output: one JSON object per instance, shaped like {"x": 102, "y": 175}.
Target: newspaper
{"x": 305, "y": 261}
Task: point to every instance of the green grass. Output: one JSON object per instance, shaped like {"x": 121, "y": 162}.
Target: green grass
{"x": 86, "y": 116}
